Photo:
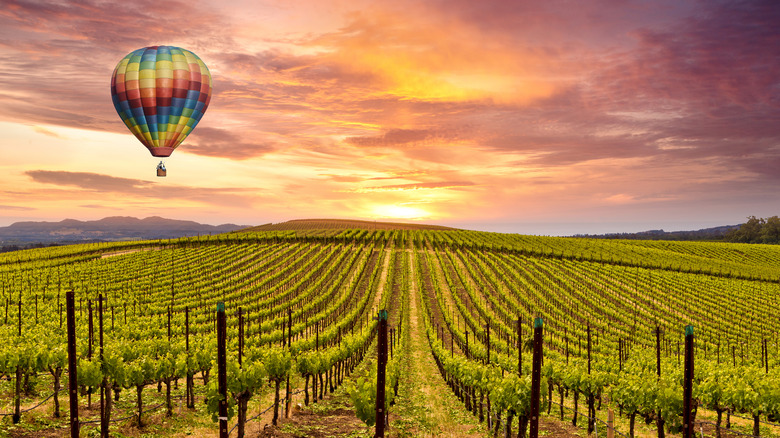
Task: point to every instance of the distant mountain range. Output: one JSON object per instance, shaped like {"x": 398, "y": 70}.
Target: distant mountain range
{"x": 22, "y": 234}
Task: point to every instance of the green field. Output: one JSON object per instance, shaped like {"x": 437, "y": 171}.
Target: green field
{"x": 440, "y": 287}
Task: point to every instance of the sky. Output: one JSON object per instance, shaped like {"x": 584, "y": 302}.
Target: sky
{"x": 551, "y": 117}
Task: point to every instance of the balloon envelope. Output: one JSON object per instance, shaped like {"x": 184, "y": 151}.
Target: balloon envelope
{"x": 161, "y": 93}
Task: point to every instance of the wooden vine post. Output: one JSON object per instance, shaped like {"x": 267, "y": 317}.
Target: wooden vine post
{"x": 766, "y": 358}
{"x": 73, "y": 382}
{"x": 659, "y": 419}
{"x": 91, "y": 336}
{"x": 536, "y": 378}
{"x": 222, "y": 370}
{"x": 190, "y": 395}
{"x": 288, "y": 393}
{"x": 169, "y": 323}
{"x": 381, "y": 365}
{"x": 489, "y": 417}
{"x": 688, "y": 430}
{"x": 17, "y": 415}
{"x": 520, "y": 346}
{"x": 591, "y": 397}
{"x": 240, "y": 337}
{"x": 105, "y": 390}
{"x": 487, "y": 334}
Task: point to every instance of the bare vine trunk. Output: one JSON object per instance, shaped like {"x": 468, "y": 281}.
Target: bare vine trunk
{"x": 139, "y": 401}
{"x": 660, "y": 425}
{"x": 510, "y": 415}
{"x": 243, "y": 404}
{"x": 306, "y": 391}
{"x": 756, "y": 428}
{"x": 105, "y": 420}
{"x": 576, "y": 408}
{"x": 190, "y": 390}
{"x": 18, "y": 396}
{"x": 717, "y": 424}
{"x": 522, "y": 426}
{"x": 560, "y": 393}
{"x": 56, "y": 374}
{"x": 275, "y": 420}
{"x": 591, "y": 413}
{"x": 168, "y": 405}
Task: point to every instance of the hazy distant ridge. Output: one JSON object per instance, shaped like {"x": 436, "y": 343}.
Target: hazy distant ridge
{"x": 110, "y": 228}
{"x": 713, "y": 233}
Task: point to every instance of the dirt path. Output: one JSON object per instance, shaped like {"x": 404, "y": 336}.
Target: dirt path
{"x": 334, "y": 416}
{"x": 426, "y": 406}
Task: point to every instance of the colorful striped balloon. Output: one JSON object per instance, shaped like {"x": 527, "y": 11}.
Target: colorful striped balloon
{"x": 161, "y": 93}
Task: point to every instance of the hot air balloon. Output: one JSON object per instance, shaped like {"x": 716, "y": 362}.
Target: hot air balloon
{"x": 161, "y": 93}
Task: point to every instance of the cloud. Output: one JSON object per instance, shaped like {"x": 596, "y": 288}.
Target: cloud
{"x": 217, "y": 142}
{"x": 88, "y": 181}
{"x": 56, "y": 58}
{"x": 48, "y": 132}
{"x": 438, "y": 99}
{"x": 715, "y": 79}
{"x": 714, "y": 61}
{"x": 418, "y": 54}
{"x": 109, "y": 24}
{"x": 343, "y": 178}
{"x": 16, "y": 208}
{"x": 700, "y": 88}
{"x": 394, "y": 137}
{"x": 94, "y": 182}
{"x": 416, "y": 186}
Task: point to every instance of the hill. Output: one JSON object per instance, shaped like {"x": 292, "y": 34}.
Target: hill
{"x": 343, "y": 224}
{"x": 108, "y": 229}
{"x": 705, "y": 234}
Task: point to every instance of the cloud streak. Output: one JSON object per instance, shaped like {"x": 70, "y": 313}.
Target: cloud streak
{"x": 416, "y": 186}
{"x": 94, "y": 182}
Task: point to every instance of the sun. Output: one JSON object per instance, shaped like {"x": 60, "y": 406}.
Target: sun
{"x": 396, "y": 211}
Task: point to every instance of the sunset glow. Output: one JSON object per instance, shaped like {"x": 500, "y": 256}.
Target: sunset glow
{"x": 531, "y": 117}
{"x": 400, "y": 212}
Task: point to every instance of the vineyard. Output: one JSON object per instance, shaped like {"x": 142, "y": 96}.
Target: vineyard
{"x": 302, "y": 304}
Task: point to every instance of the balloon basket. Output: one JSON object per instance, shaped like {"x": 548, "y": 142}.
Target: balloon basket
{"x": 161, "y": 169}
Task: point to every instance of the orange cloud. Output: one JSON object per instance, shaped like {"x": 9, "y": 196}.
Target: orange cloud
{"x": 135, "y": 188}
{"x": 415, "y": 186}
{"x": 422, "y": 56}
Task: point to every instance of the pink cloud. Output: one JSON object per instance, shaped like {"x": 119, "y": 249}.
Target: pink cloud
{"x": 94, "y": 182}
{"x": 218, "y": 142}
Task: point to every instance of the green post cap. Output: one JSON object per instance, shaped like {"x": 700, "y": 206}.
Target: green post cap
{"x": 688, "y": 330}
{"x": 383, "y": 315}
{"x": 220, "y": 306}
{"x": 538, "y": 322}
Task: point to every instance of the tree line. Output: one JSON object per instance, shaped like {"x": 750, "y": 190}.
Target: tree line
{"x": 756, "y": 230}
